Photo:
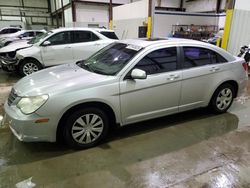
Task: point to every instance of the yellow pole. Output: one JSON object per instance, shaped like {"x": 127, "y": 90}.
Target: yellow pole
{"x": 218, "y": 42}
{"x": 227, "y": 28}
{"x": 149, "y": 27}
{"x": 111, "y": 24}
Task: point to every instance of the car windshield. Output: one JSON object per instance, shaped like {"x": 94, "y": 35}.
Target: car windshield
{"x": 111, "y": 59}
{"x": 39, "y": 37}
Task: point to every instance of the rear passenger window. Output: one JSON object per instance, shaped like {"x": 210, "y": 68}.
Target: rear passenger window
{"x": 195, "y": 57}
{"x": 163, "y": 60}
{"x": 38, "y": 33}
{"x": 109, "y": 34}
{"x": 220, "y": 59}
{"x": 27, "y": 34}
{"x": 14, "y": 30}
{"x": 84, "y": 36}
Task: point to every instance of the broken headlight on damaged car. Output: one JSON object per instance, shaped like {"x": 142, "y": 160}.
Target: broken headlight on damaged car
{"x": 28, "y": 105}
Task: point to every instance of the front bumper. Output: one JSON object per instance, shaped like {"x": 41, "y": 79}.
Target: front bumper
{"x": 25, "y": 128}
{"x": 8, "y": 64}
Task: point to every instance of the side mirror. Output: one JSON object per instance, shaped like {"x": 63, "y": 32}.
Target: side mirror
{"x": 138, "y": 74}
{"x": 46, "y": 43}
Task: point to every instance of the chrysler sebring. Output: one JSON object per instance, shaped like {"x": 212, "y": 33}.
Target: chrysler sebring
{"x": 125, "y": 82}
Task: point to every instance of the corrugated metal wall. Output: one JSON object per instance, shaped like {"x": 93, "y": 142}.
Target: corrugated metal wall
{"x": 240, "y": 31}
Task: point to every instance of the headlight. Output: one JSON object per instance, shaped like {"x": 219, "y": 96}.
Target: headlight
{"x": 29, "y": 105}
{"x": 18, "y": 56}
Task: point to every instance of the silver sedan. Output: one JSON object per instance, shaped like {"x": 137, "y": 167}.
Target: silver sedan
{"x": 126, "y": 82}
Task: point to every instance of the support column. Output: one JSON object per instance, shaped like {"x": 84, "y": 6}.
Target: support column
{"x": 110, "y": 14}
{"x": 149, "y": 28}
{"x": 218, "y": 3}
{"x": 63, "y": 20}
{"x": 73, "y": 5}
{"x": 227, "y": 27}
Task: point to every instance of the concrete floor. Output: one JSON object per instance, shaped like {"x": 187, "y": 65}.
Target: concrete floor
{"x": 191, "y": 149}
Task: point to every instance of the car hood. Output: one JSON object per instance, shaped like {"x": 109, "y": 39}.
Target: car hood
{"x": 15, "y": 46}
{"x": 59, "y": 79}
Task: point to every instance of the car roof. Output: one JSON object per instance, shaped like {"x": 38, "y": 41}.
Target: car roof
{"x": 155, "y": 42}
{"x": 24, "y": 31}
{"x": 102, "y": 29}
{"x": 144, "y": 42}
{"x": 81, "y": 28}
{"x": 11, "y": 28}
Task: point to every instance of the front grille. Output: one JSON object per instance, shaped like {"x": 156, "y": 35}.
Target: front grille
{"x": 12, "y": 97}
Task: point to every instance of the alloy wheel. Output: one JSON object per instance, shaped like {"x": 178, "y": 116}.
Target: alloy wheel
{"x": 30, "y": 68}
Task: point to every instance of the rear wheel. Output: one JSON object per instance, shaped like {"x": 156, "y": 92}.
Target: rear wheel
{"x": 86, "y": 128}
{"x": 29, "y": 66}
{"x": 222, "y": 98}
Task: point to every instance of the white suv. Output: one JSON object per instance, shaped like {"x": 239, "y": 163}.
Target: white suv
{"x": 8, "y": 30}
{"x": 59, "y": 46}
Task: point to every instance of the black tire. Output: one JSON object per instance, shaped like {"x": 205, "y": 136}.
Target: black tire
{"x": 26, "y": 63}
{"x": 83, "y": 113}
{"x": 215, "y": 103}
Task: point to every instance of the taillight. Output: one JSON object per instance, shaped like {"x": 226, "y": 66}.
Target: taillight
{"x": 245, "y": 66}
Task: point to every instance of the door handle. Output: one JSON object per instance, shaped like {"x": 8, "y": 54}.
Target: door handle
{"x": 68, "y": 47}
{"x": 97, "y": 44}
{"x": 173, "y": 77}
{"x": 214, "y": 69}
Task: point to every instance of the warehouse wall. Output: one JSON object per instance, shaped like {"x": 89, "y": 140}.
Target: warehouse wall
{"x": 240, "y": 27}
{"x": 56, "y": 4}
{"x": 88, "y": 14}
{"x": 127, "y": 18}
{"x": 68, "y": 17}
{"x": 92, "y": 15}
{"x": 163, "y": 21}
{"x": 203, "y": 5}
{"x": 221, "y": 21}
{"x": 27, "y": 13}
{"x": 168, "y": 3}
{"x": 107, "y": 1}
{"x": 242, "y": 5}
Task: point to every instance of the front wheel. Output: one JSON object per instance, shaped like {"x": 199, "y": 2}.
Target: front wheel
{"x": 85, "y": 128}
{"x": 223, "y": 98}
{"x": 29, "y": 66}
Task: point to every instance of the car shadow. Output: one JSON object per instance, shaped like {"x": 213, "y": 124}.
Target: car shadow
{"x": 8, "y": 78}
{"x": 207, "y": 124}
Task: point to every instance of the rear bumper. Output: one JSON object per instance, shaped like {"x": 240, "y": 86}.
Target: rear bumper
{"x": 242, "y": 86}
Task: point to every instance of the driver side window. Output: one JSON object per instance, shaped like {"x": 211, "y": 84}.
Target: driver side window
{"x": 159, "y": 61}
{"x": 60, "y": 38}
